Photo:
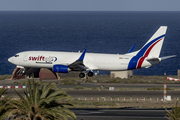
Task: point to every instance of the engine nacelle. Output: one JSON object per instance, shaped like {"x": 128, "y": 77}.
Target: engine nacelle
{"x": 61, "y": 69}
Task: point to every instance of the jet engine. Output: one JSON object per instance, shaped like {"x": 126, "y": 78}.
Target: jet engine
{"x": 61, "y": 69}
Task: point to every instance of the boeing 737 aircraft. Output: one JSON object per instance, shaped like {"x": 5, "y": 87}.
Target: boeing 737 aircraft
{"x": 64, "y": 62}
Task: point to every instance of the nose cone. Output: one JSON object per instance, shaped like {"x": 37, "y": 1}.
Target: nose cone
{"x": 11, "y": 60}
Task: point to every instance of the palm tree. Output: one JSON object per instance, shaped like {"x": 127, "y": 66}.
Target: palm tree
{"x": 174, "y": 114}
{"x": 41, "y": 102}
{"x": 4, "y": 106}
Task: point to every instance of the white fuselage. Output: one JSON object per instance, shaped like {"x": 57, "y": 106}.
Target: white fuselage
{"x": 93, "y": 61}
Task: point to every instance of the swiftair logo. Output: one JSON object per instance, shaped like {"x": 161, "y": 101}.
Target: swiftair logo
{"x": 42, "y": 58}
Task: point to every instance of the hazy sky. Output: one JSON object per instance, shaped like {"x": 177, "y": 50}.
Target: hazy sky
{"x": 90, "y": 5}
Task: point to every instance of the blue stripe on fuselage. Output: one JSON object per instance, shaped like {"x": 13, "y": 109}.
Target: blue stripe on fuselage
{"x": 133, "y": 62}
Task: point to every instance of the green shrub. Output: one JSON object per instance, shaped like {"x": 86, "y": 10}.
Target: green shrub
{"x": 57, "y": 82}
{"x": 93, "y": 103}
{"x": 106, "y": 87}
{"x": 174, "y": 114}
{"x": 16, "y": 83}
{"x": 155, "y": 88}
{"x": 78, "y": 83}
{"x": 3, "y": 77}
{"x": 159, "y": 88}
{"x": 78, "y": 87}
{"x": 69, "y": 82}
{"x": 94, "y": 88}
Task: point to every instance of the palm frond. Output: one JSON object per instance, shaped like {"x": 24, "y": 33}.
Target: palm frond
{"x": 22, "y": 98}
{"x": 46, "y": 92}
{"x": 174, "y": 114}
{"x": 43, "y": 101}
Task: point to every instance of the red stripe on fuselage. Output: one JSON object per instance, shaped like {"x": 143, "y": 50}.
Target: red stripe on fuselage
{"x": 141, "y": 60}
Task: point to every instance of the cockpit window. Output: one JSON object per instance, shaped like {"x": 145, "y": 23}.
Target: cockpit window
{"x": 16, "y": 55}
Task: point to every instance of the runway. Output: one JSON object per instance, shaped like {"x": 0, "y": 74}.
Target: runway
{"x": 119, "y": 114}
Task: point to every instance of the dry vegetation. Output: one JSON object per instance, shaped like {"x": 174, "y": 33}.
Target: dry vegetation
{"x": 107, "y": 79}
{"x": 134, "y": 79}
{"x": 4, "y": 77}
{"x": 121, "y": 103}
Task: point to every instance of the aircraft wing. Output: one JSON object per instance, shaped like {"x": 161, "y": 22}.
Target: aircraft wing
{"x": 78, "y": 65}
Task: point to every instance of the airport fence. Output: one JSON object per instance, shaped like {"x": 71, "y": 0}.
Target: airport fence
{"x": 126, "y": 99}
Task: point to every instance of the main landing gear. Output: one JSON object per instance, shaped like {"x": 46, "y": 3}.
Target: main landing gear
{"x": 90, "y": 74}
{"x": 81, "y": 75}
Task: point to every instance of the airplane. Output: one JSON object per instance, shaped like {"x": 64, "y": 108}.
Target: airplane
{"x": 64, "y": 62}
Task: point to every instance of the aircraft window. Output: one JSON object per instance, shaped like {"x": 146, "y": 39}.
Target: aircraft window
{"x": 16, "y": 55}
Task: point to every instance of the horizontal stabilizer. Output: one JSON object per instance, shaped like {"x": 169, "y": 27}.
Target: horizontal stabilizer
{"x": 153, "y": 59}
{"x": 166, "y": 57}
{"x": 159, "y": 59}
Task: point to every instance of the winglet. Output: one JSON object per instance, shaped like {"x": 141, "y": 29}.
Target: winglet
{"x": 82, "y": 56}
{"x": 132, "y": 49}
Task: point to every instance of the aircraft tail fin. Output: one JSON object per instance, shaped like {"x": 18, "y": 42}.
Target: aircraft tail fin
{"x": 153, "y": 46}
{"x": 150, "y": 51}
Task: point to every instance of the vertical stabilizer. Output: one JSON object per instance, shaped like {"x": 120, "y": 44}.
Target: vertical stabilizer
{"x": 153, "y": 47}
{"x": 150, "y": 50}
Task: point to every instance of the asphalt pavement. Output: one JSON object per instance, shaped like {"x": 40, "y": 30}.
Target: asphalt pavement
{"x": 119, "y": 114}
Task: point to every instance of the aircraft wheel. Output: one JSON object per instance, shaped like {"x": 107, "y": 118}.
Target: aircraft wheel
{"x": 90, "y": 74}
{"x": 81, "y": 75}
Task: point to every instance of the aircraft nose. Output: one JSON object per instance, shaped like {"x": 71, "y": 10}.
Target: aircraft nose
{"x": 10, "y": 59}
